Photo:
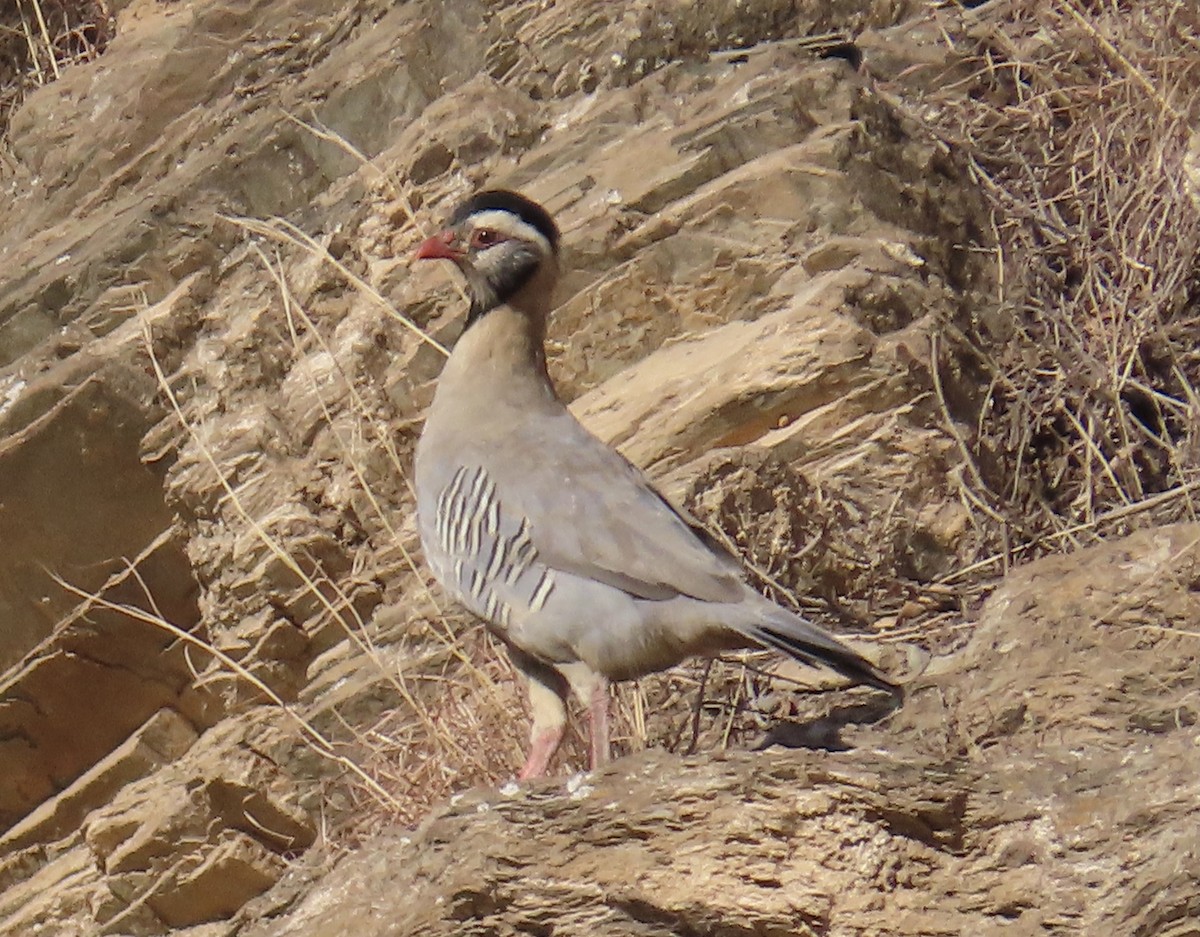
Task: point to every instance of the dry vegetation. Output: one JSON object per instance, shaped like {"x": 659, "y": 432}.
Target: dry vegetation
{"x": 38, "y": 38}
{"x": 1077, "y": 122}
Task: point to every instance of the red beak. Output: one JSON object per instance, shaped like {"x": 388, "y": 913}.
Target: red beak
{"x": 439, "y": 247}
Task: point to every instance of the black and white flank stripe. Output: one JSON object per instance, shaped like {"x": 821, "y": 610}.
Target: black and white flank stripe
{"x": 487, "y": 559}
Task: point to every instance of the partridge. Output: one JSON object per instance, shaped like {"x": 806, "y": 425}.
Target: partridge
{"x": 554, "y": 539}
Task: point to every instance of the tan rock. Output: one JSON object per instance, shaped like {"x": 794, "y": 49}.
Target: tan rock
{"x": 226, "y": 876}
{"x": 163, "y": 738}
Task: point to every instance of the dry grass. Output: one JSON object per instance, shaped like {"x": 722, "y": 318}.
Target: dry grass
{"x": 1078, "y": 122}
{"x": 38, "y": 38}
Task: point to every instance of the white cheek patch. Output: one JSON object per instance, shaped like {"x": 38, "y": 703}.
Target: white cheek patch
{"x": 510, "y": 226}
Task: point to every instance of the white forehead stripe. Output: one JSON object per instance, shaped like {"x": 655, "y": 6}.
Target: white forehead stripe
{"x": 510, "y": 225}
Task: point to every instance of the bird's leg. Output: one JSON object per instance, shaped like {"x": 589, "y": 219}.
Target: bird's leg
{"x": 592, "y": 690}
{"x": 549, "y": 722}
{"x": 598, "y": 723}
{"x": 542, "y": 746}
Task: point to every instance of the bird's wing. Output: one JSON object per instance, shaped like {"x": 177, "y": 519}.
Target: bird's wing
{"x": 592, "y": 513}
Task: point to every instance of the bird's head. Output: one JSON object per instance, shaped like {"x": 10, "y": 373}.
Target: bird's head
{"x": 501, "y": 241}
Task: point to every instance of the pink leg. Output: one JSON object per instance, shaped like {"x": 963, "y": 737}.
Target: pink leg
{"x": 598, "y": 723}
{"x": 542, "y": 747}
{"x": 549, "y": 724}
{"x": 591, "y": 689}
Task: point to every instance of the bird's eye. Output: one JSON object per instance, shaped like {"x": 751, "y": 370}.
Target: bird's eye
{"x": 484, "y": 237}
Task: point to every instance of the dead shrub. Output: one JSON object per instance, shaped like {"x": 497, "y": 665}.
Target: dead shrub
{"x": 1079, "y": 123}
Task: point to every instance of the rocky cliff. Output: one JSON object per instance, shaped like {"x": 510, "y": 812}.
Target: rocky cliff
{"x": 888, "y": 364}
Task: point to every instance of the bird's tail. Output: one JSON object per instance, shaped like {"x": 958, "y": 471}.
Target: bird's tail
{"x": 799, "y": 638}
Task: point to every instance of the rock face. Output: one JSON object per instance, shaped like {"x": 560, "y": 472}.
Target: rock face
{"x": 224, "y": 666}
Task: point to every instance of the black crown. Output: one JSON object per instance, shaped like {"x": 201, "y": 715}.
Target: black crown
{"x": 528, "y": 211}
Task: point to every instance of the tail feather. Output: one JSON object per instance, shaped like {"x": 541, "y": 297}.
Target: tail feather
{"x": 810, "y": 645}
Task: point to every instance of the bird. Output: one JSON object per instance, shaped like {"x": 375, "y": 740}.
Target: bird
{"x": 564, "y": 548}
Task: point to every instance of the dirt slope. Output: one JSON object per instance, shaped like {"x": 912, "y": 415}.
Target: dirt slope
{"x": 210, "y": 383}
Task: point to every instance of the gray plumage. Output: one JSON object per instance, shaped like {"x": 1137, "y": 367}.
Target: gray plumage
{"x": 548, "y": 534}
